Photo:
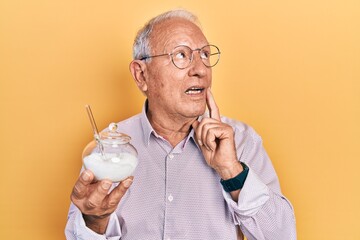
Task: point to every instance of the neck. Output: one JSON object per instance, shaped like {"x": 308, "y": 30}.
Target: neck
{"x": 172, "y": 128}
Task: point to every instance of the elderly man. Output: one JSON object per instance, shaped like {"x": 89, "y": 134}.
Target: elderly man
{"x": 200, "y": 176}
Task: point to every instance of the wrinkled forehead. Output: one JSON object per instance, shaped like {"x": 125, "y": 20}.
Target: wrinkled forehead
{"x": 177, "y": 31}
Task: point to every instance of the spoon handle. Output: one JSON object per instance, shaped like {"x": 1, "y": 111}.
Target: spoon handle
{"x": 95, "y": 129}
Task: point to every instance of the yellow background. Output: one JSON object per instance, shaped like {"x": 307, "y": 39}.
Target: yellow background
{"x": 291, "y": 69}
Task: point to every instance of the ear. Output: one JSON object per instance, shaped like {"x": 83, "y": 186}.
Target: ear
{"x": 137, "y": 69}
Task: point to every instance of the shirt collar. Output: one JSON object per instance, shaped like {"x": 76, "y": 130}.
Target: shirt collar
{"x": 148, "y": 129}
{"x": 192, "y": 132}
{"x": 145, "y": 124}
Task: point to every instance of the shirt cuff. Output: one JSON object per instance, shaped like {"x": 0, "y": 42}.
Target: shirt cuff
{"x": 81, "y": 231}
{"x": 252, "y": 197}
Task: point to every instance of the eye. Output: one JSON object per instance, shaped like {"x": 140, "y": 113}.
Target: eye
{"x": 180, "y": 54}
{"x": 205, "y": 54}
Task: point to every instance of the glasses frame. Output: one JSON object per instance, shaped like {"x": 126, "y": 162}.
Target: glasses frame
{"x": 192, "y": 55}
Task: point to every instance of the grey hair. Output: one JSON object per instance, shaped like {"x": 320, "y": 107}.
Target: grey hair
{"x": 141, "y": 47}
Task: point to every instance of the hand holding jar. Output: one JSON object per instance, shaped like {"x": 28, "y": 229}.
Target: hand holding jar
{"x": 107, "y": 159}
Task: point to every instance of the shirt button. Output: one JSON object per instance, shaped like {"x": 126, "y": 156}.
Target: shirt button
{"x": 170, "y": 198}
{"x": 171, "y": 156}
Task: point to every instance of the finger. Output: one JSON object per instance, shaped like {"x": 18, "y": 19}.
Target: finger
{"x": 98, "y": 195}
{"x": 81, "y": 185}
{"x": 213, "y": 137}
{"x": 208, "y": 136}
{"x": 117, "y": 193}
{"x": 213, "y": 108}
{"x": 195, "y": 126}
{"x": 199, "y": 128}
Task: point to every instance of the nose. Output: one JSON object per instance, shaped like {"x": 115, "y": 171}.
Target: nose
{"x": 197, "y": 67}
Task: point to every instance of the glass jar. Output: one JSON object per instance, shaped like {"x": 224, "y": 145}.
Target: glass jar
{"x": 118, "y": 159}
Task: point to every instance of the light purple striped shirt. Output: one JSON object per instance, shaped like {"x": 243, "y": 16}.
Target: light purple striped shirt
{"x": 176, "y": 195}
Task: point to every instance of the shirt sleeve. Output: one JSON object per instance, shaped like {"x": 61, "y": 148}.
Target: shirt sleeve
{"x": 77, "y": 230}
{"x": 261, "y": 211}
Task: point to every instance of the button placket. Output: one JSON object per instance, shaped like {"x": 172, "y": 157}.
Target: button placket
{"x": 171, "y": 191}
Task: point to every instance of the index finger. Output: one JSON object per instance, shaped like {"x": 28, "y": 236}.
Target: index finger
{"x": 118, "y": 192}
{"x": 80, "y": 188}
{"x": 213, "y": 108}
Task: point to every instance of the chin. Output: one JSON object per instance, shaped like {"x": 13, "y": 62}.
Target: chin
{"x": 196, "y": 111}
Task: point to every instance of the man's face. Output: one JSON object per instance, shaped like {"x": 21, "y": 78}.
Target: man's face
{"x": 180, "y": 93}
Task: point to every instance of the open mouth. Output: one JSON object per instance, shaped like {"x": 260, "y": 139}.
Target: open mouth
{"x": 194, "y": 90}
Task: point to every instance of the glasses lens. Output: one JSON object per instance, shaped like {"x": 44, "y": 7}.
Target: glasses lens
{"x": 181, "y": 56}
{"x": 210, "y": 55}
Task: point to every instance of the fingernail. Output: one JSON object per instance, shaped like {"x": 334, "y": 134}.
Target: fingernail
{"x": 127, "y": 183}
{"x": 106, "y": 185}
{"x": 200, "y": 142}
{"x": 86, "y": 176}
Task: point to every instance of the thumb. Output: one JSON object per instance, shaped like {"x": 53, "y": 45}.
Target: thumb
{"x": 118, "y": 192}
{"x": 195, "y": 124}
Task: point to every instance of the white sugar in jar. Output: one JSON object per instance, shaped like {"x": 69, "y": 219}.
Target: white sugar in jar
{"x": 118, "y": 160}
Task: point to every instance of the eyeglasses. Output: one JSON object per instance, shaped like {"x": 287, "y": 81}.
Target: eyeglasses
{"x": 182, "y": 55}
